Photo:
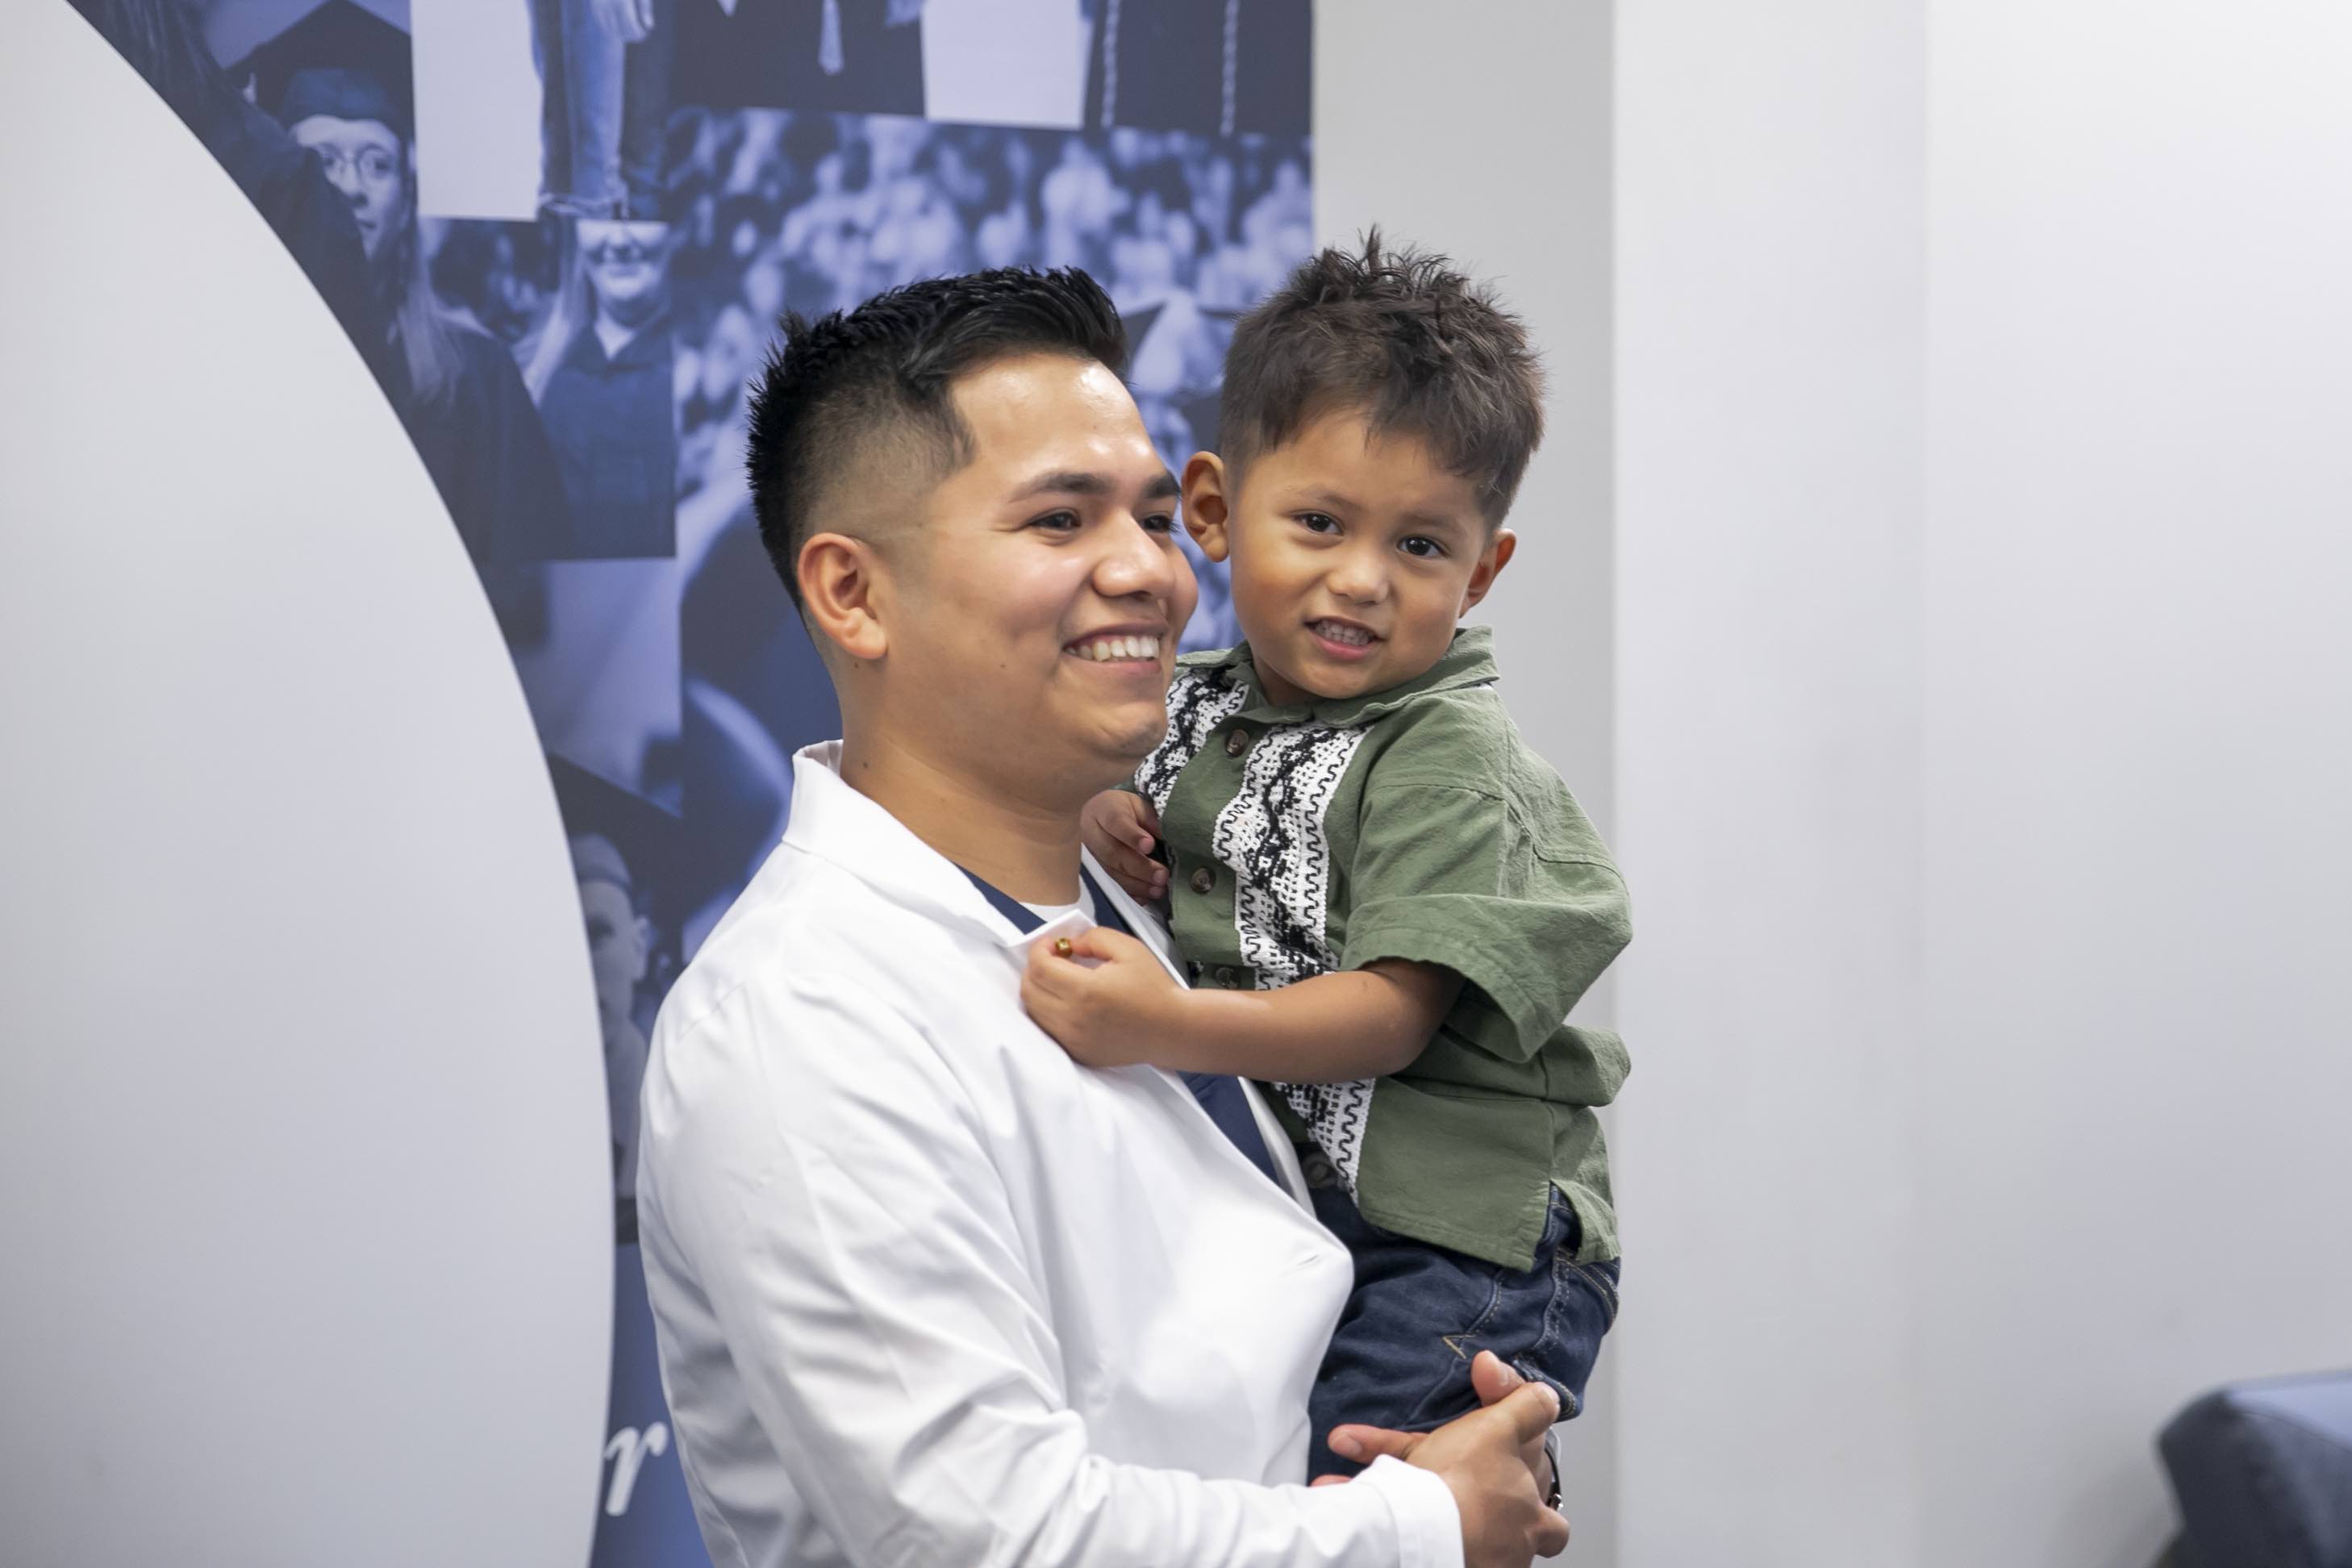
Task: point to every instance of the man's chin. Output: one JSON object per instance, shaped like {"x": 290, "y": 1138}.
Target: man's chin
{"x": 1122, "y": 748}
{"x": 1142, "y": 738}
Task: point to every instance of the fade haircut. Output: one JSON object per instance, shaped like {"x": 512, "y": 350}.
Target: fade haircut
{"x": 856, "y": 387}
{"x": 1398, "y": 335}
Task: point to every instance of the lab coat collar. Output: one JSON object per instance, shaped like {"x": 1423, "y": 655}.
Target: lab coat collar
{"x": 833, "y": 821}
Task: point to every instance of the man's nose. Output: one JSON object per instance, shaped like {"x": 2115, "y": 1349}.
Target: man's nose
{"x": 1134, "y": 562}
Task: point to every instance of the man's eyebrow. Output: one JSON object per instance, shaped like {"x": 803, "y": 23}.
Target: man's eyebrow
{"x": 1082, "y": 482}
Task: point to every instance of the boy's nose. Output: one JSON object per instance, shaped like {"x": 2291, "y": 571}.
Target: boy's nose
{"x": 1359, "y": 580}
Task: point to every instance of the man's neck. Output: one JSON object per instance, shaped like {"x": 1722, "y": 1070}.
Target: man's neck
{"x": 1026, "y": 849}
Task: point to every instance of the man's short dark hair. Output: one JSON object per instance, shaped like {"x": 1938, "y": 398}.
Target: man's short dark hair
{"x": 870, "y": 384}
{"x": 1398, "y": 335}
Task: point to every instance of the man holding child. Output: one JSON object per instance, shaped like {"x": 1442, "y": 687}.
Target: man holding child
{"x": 965, "y": 1245}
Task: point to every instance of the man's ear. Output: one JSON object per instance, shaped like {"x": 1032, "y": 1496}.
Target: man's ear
{"x": 1497, "y": 555}
{"x": 1205, "y": 505}
{"x": 839, "y": 578}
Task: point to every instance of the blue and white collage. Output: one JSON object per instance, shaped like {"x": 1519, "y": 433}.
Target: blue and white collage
{"x": 563, "y": 233}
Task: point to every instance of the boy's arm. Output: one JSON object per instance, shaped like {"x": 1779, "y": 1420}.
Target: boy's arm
{"x": 1121, "y": 1007}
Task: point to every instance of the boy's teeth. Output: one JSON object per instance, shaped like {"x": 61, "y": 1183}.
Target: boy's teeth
{"x": 1355, "y": 636}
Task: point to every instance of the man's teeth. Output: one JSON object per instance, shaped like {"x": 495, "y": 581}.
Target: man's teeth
{"x": 1354, "y": 636}
{"x": 1103, "y": 650}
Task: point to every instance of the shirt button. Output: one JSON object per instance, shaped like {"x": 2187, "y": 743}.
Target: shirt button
{"x": 1226, "y": 977}
{"x": 1203, "y": 880}
{"x": 1237, "y": 742}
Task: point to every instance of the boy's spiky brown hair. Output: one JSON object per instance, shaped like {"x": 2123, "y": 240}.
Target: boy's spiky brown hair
{"x": 1400, "y": 335}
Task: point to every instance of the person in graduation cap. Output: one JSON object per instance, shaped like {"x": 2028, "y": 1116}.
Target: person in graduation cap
{"x": 161, "y": 40}
{"x": 456, "y": 389}
{"x": 620, "y": 954}
{"x": 600, "y": 370}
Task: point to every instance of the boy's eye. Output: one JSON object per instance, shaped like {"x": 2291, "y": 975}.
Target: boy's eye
{"x": 1423, "y": 547}
{"x": 1064, "y": 521}
{"x": 1161, "y": 523}
{"x": 1318, "y": 522}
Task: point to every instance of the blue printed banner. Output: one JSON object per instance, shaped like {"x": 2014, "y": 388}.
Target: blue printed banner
{"x": 561, "y": 232}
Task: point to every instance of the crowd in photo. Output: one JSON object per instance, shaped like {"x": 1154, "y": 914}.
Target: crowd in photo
{"x": 814, "y": 212}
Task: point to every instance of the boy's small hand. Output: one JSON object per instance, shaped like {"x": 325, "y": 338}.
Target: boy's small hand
{"x": 1123, "y": 1009}
{"x": 1122, "y": 829}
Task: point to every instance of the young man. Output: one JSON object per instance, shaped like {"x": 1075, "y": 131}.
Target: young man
{"x": 927, "y": 1291}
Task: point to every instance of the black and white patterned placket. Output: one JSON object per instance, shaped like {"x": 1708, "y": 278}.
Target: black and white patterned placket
{"x": 1198, "y": 702}
{"x": 1272, "y": 837}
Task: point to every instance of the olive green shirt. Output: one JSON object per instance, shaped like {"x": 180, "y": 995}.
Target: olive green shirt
{"x": 1411, "y": 824}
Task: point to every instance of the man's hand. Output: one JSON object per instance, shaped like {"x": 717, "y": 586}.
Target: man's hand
{"x": 1493, "y": 1461}
{"x": 1121, "y": 1009}
{"x": 1493, "y": 1381}
{"x": 1121, "y": 828}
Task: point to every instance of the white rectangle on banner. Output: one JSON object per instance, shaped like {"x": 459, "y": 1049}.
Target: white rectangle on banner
{"x": 477, "y": 96}
{"x": 1005, "y": 62}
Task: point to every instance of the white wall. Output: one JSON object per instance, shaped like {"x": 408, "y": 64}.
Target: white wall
{"x": 1770, "y": 171}
{"x": 304, "y": 1155}
{"x": 1486, "y": 136}
{"x": 2137, "y": 749}
{"x": 1984, "y": 714}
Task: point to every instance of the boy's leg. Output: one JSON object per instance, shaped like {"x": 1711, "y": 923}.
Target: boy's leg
{"x": 1420, "y": 1314}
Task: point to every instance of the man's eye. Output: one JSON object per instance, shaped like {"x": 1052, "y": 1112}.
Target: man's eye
{"x": 1056, "y": 521}
{"x": 1161, "y": 523}
{"x": 1425, "y": 549}
{"x": 1318, "y": 522}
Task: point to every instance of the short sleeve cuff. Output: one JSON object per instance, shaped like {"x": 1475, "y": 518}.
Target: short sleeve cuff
{"x": 1461, "y": 934}
{"x": 1429, "y": 1524}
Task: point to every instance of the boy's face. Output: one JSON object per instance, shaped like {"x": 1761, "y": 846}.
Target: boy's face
{"x": 1353, "y": 555}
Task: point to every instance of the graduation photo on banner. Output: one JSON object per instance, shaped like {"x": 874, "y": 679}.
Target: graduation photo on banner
{"x": 560, "y": 234}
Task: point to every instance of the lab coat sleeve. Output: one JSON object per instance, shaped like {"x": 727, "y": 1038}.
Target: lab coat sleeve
{"x": 859, "y": 1251}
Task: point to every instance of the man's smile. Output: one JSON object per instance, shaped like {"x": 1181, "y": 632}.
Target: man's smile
{"x": 1118, "y": 645}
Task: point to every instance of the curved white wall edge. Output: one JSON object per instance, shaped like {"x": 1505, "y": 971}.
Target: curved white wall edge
{"x": 303, "y": 1186}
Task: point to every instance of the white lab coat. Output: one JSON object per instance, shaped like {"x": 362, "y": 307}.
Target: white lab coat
{"x": 928, "y": 1293}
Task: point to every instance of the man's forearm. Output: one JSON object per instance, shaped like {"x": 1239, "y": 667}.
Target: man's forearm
{"x": 1350, "y": 1024}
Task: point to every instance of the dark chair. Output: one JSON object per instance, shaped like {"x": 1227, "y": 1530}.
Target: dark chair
{"x": 2263, "y": 1474}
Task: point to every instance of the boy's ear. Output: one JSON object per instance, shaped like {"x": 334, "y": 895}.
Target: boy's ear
{"x": 1497, "y": 555}
{"x": 1206, "y": 505}
{"x": 839, "y": 579}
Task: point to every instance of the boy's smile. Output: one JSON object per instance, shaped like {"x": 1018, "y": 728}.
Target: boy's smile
{"x": 1354, "y": 554}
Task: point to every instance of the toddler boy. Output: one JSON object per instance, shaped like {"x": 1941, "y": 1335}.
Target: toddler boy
{"x": 1388, "y": 904}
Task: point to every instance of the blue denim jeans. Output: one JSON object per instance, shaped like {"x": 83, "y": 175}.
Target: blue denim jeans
{"x": 603, "y": 111}
{"x": 1421, "y": 1313}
